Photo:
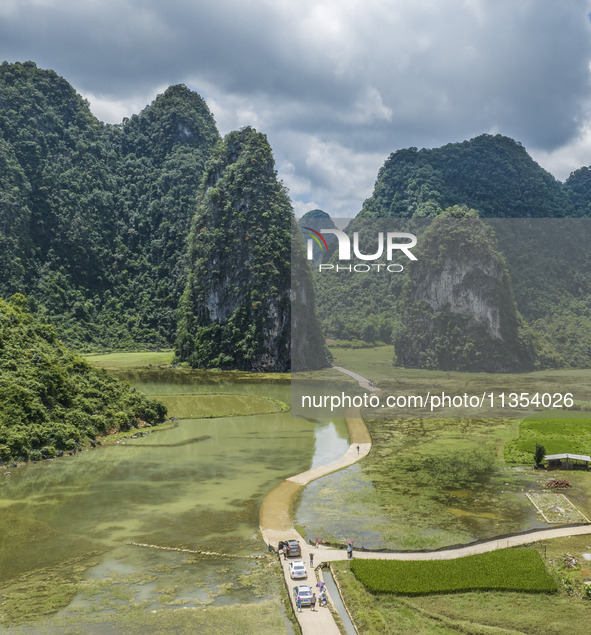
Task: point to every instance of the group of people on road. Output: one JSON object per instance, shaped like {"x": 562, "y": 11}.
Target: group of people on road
{"x": 321, "y": 599}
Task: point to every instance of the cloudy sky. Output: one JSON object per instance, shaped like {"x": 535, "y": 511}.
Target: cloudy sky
{"x": 337, "y": 85}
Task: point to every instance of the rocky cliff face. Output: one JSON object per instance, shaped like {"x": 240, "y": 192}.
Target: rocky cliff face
{"x": 236, "y": 309}
{"x": 466, "y": 289}
{"x": 460, "y": 311}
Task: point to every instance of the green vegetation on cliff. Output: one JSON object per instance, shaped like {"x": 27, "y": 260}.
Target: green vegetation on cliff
{"x": 95, "y": 219}
{"x": 235, "y": 311}
{"x": 492, "y": 174}
{"x": 51, "y": 400}
{"x": 578, "y": 189}
{"x": 541, "y": 233}
{"x": 95, "y": 216}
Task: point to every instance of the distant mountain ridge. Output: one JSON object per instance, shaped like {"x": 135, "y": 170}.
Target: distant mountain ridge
{"x": 315, "y": 220}
{"x": 492, "y": 174}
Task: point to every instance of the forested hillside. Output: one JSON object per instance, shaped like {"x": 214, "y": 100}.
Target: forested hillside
{"x": 94, "y": 220}
{"x": 542, "y": 231}
{"x": 236, "y": 311}
{"x": 95, "y": 216}
{"x": 51, "y": 400}
{"x": 492, "y": 174}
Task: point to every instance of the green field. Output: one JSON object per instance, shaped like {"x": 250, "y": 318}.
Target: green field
{"x": 478, "y": 612}
{"x": 127, "y": 360}
{"x": 208, "y": 406}
{"x": 376, "y": 364}
{"x": 507, "y": 570}
{"x": 570, "y": 432}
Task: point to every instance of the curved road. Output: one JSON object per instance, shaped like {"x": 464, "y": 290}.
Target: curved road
{"x": 275, "y": 520}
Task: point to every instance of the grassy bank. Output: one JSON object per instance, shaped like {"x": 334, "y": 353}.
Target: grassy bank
{"x": 220, "y": 405}
{"x": 376, "y": 364}
{"x": 129, "y": 361}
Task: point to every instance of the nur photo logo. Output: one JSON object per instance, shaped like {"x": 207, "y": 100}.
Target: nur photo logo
{"x": 389, "y": 245}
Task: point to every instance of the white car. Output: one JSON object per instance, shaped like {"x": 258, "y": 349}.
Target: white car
{"x": 304, "y": 593}
{"x": 297, "y": 570}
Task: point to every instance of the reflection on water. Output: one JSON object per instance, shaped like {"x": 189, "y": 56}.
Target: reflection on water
{"x": 332, "y": 440}
{"x": 196, "y": 486}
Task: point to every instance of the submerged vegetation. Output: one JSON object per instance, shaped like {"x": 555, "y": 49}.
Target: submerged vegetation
{"x": 432, "y": 481}
{"x": 111, "y": 603}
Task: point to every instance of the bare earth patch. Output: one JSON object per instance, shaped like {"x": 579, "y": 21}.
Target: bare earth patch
{"x": 556, "y": 508}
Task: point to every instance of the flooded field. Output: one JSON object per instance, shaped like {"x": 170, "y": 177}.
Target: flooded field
{"x": 426, "y": 484}
{"x": 66, "y": 525}
{"x": 68, "y": 562}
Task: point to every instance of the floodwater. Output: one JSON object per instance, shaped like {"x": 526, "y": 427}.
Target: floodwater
{"x": 197, "y": 486}
{"x": 346, "y": 506}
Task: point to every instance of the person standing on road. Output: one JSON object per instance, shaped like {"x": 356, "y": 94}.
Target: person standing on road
{"x": 311, "y": 559}
{"x": 349, "y": 550}
{"x": 313, "y": 600}
{"x": 298, "y": 605}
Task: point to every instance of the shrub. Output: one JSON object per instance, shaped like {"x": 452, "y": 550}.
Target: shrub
{"x": 50, "y": 398}
{"x": 35, "y": 455}
{"x": 539, "y": 454}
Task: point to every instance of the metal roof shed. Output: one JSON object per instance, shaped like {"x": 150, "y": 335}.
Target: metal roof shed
{"x": 568, "y": 461}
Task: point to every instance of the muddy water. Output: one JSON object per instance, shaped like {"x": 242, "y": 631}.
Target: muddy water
{"x": 197, "y": 486}
{"x": 346, "y": 506}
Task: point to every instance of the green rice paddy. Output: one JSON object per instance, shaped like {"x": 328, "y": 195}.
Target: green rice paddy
{"x": 569, "y": 432}
{"x": 508, "y": 570}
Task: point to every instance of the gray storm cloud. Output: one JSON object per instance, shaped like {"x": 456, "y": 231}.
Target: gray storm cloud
{"x": 336, "y": 86}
